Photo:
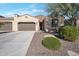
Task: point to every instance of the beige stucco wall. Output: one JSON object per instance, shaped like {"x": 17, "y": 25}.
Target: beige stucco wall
{"x": 77, "y": 23}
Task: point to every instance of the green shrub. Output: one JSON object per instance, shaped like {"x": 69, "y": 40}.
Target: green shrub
{"x": 68, "y": 32}
{"x": 51, "y": 43}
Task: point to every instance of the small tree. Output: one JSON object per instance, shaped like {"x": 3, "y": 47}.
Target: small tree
{"x": 69, "y": 10}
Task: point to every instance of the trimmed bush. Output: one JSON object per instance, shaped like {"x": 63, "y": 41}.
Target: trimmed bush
{"x": 68, "y": 32}
{"x": 51, "y": 43}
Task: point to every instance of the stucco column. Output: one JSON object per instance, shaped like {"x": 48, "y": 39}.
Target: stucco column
{"x": 37, "y": 26}
{"x": 77, "y": 22}
{"x": 14, "y": 26}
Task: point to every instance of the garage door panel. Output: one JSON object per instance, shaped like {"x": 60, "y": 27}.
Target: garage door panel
{"x": 6, "y": 27}
{"x": 26, "y": 26}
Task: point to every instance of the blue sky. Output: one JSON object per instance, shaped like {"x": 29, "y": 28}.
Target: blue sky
{"x": 8, "y": 9}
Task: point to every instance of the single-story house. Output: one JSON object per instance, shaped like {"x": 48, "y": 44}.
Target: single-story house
{"x": 28, "y": 23}
{"x": 19, "y": 23}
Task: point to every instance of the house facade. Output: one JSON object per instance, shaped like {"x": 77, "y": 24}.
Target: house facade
{"x": 20, "y": 23}
{"x": 28, "y": 23}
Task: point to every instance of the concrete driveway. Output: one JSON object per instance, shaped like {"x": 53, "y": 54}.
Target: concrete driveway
{"x": 15, "y": 43}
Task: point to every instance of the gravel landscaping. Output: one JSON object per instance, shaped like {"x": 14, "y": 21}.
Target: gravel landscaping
{"x": 37, "y": 49}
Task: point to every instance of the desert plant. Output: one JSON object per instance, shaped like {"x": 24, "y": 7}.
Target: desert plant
{"x": 51, "y": 43}
{"x": 68, "y": 32}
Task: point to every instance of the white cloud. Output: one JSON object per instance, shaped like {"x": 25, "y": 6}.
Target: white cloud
{"x": 24, "y": 12}
{"x": 17, "y": 11}
{"x": 9, "y": 14}
{"x": 29, "y": 10}
{"x": 36, "y": 10}
{"x": 21, "y": 9}
{"x": 33, "y": 5}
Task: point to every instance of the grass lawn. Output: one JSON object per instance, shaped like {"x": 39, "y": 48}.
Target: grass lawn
{"x": 51, "y": 43}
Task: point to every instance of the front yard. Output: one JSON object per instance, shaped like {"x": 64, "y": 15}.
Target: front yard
{"x": 37, "y": 49}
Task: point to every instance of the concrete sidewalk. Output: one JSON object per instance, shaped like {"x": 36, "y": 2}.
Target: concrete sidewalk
{"x": 16, "y": 43}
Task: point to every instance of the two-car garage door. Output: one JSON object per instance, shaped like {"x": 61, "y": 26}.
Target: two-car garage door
{"x": 26, "y": 26}
{"x": 22, "y": 26}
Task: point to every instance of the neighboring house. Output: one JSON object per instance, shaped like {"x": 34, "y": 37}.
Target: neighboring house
{"x": 20, "y": 23}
